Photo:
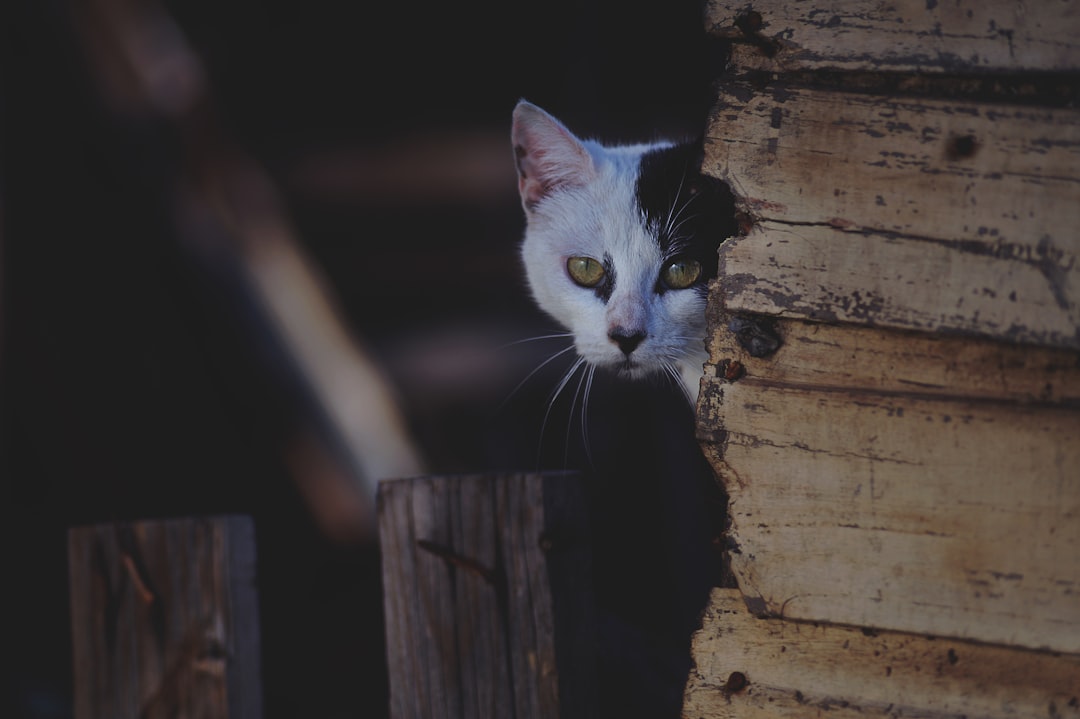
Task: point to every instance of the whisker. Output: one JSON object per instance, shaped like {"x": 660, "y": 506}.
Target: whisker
{"x": 671, "y": 210}
{"x": 684, "y": 241}
{"x": 585, "y": 413}
{"x": 674, "y": 222}
{"x": 534, "y": 339}
{"x": 676, "y": 377}
{"x": 551, "y": 403}
{"x": 570, "y": 421}
{"x": 684, "y": 340}
{"x": 529, "y": 376}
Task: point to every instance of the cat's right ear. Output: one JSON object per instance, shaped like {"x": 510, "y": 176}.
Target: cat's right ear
{"x": 549, "y": 157}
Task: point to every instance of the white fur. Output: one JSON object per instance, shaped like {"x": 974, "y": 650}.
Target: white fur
{"x": 589, "y": 210}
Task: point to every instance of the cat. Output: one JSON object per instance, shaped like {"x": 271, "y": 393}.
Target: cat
{"x": 620, "y": 244}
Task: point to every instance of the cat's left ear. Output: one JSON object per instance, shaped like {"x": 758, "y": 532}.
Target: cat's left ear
{"x": 549, "y": 157}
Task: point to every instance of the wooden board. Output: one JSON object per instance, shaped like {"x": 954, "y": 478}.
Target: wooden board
{"x": 165, "y": 619}
{"x": 904, "y": 472}
{"x": 825, "y": 274}
{"x": 773, "y": 669}
{"x": 893, "y": 500}
{"x": 831, "y": 357}
{"x": 957, "y": 36}
{"x": 487, "y": 596}
{"x": 996, "y": 174}
{"x": 922, "y": 214}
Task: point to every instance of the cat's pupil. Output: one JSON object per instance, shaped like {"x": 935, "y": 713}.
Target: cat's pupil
{"x": 585, "y": 271}
{"x": 680, "y": 274}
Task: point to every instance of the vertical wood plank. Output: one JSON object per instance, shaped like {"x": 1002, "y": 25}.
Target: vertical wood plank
{"x": 165, "y": 619}
{"x": 487, "y": 596}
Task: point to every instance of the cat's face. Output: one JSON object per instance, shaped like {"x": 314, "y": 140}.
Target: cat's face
{"x": 620, "y": 244}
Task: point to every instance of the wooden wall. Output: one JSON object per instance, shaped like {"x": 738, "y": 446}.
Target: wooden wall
{"x": 893, "y": 395}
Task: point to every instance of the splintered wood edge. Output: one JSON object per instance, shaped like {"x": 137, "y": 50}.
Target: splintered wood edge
{"x": 754, "y": 668}
{"x": 957, "y": 37}
{"x": 917, "y": 256}
{"x": 846, "y": 356}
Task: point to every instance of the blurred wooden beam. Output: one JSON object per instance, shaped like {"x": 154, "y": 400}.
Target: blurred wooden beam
{"x": 229, "y": 216}
{"x": 165, "y": 619}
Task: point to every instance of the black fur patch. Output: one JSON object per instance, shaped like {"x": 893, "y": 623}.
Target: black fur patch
{"x": 607, "y": 285}
{"x": 691, "y": 213}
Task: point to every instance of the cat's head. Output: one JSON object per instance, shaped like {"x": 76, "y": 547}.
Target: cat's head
{"x": 620, "y": 244}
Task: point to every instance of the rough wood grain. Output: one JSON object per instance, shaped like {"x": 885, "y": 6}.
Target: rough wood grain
{"x": 922, "y": 214}
{"x": 165, "y": 619}
{"x": 996, "y": 174}
{"x": 835, "y": 357}
{"x": 825, "y": 274}
{"x": 956, "y": 36}
{"x": 885, "y": 496}
{"x": 797, "y": 670}
{"x": 487, "y": 596}
{"x": 907, "y": 464}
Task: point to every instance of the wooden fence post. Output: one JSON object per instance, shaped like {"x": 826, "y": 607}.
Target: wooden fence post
{"x": 488, "y": 596}
{"x": 165, "y": 619}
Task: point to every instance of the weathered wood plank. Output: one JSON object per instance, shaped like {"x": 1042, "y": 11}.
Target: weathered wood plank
{"x": 942, "y": 516}
{"x": 956, "y": 36}
{"x": 487, "y": 596}
{"x": 165, "y": 619}
{"x": 796, "y": 670}
{"x": 1007, "y": 177}
{"x": 825, "y": 274}
{"x": 922, "y": 214}
{"x": 834, "y": 357}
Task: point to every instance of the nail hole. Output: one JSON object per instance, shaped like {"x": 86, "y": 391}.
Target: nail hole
{"x": 960, "y": 147}
{"x": 736, "y": 682}
{"x": 749, "y": 22}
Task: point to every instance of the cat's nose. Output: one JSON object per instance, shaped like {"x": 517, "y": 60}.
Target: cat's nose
{"x": 627, "y": 340}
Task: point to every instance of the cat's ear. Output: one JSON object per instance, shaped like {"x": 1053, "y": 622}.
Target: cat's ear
{"x": 548, "y": 156}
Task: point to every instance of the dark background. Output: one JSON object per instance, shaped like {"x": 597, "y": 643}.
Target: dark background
{"x": 130, "y": 390}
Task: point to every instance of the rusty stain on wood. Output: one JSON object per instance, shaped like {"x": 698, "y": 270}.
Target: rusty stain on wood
{"x": 797, "y": 670}
{"x": 920, "y": 35}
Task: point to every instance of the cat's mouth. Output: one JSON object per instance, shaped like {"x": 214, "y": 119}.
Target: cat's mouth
{"x": 625, "y": 367}
{"x": 628, "y": 369}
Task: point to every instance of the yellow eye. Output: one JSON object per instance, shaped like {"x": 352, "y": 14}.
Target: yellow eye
{"x": 585, "y": 271}
{"x": 680, "y": 274}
